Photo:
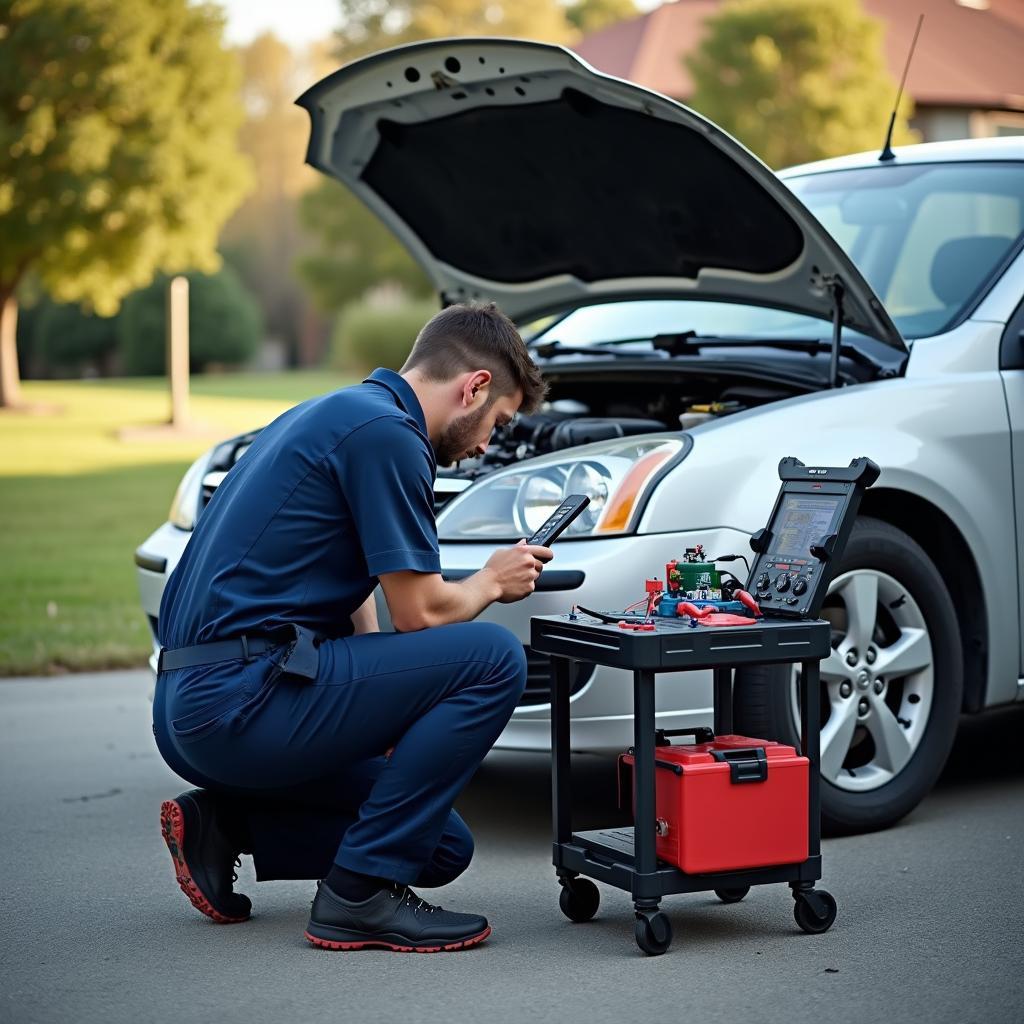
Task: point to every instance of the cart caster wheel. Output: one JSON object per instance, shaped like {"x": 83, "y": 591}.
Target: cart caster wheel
{"x": 732, "y": 895}
{"x": 579, "y": 899}
{"x": 653, "y": 932}
{"x": 815, "y": 912}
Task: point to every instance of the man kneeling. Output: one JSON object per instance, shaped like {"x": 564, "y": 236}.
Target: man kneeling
{"x": 323, "y": 747}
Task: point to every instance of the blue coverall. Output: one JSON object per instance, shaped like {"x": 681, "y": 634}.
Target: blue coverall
{"x": 332, "y": 494}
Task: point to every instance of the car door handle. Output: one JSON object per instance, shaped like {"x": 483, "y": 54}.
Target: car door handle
{"x": 549, "y": 579}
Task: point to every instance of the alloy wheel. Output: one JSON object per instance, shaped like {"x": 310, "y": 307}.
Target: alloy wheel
{"x": 877, "y": 684}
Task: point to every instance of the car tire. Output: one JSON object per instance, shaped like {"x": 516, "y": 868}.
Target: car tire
{"x": 860, "y": 797}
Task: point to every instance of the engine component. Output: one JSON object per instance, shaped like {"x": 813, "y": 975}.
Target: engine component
{"x": 570, "y": 433}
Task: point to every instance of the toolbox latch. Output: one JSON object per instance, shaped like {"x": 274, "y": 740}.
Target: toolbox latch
{"x": 746, "y": 764}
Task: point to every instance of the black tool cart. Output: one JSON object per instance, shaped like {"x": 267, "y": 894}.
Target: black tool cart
{"x": 625, "y": 857}
{"x": 796, "y": 554}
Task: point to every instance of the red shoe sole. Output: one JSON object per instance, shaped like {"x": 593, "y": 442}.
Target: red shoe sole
{"x": 451, "y": 948}
{"x": 172, "y": 827}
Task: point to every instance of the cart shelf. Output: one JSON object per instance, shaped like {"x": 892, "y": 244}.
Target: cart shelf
{"x": 609, "y": 856}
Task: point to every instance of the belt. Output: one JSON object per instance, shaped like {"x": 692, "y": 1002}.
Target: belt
{"x": 301, "y": 659}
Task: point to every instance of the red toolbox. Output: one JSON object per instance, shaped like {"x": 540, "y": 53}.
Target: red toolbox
{"x": 734, "y": 802}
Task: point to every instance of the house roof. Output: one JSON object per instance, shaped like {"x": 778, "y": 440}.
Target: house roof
{"x": 969, "y": 54}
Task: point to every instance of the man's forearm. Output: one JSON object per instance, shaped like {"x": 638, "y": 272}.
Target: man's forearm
{"x": 462, "y": 601}
{"x": 420, "y": 600}
{"x": 439, "y": 603}
{"x": 475, "y": 593}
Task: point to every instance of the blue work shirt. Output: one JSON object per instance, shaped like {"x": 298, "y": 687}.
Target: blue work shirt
{"x": 332, "y": 494}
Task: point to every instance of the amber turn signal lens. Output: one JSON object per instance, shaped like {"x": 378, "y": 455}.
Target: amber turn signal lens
{"x": 621, "y": 504}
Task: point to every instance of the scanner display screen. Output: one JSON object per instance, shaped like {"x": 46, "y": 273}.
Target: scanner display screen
{"x": 802, "y": 521}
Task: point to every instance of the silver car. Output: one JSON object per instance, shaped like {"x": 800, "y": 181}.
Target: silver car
{"x": 698, "y": 318}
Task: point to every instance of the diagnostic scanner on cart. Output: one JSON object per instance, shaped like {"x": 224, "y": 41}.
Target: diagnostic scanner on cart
{"x": 807, "y": 532}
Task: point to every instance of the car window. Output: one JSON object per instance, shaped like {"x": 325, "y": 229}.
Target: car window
{"x": 927, "y": 237}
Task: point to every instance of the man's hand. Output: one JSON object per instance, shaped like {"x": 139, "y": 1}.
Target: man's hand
{"x": 515, "y": 570}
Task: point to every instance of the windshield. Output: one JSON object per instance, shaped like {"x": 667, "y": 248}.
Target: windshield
{"x": 927, "y": 237}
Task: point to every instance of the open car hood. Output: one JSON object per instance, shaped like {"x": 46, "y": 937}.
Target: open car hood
{"x": 514, "y": 171}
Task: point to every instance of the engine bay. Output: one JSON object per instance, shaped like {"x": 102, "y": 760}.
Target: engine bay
{"x": 581, "y": 411}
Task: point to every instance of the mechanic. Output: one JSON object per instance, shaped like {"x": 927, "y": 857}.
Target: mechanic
{"x": 324, "y": 747}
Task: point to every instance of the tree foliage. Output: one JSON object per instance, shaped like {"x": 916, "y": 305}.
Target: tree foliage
{"x": 264, "y": 239}
{"x": 369, "y": 25}
{"x": 355, "y": 252}
{"x": 118, "y": 153}
{"x": 225, "y": 323}
{"x": 796, "y": 80}
{"x": 592, "y": 15}
{"x": 275, "y": 131}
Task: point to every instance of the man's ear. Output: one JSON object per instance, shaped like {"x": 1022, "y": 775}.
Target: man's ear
{"x": 476, "y": 388}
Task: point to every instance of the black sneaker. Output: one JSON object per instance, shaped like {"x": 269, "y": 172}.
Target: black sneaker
{"x": 396, "y": 919}
{"x": 204, "y": 856}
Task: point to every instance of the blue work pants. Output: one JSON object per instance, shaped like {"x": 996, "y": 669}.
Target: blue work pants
{"x": 304, "y": 762}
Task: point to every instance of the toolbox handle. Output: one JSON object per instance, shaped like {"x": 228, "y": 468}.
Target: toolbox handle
{"x": 746, "y": 764}
{"x": 700, "y": 734}
{"x": 623, "y": 785}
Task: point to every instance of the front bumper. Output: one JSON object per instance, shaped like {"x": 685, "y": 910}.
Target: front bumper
{"x": 155, "y": 558}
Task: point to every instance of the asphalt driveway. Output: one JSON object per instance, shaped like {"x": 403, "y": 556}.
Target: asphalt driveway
{"x": 93, "y": 927}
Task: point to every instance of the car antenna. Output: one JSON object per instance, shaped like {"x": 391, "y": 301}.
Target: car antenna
{"x": 887, "y": 153}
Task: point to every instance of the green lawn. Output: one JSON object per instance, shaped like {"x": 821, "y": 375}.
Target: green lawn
{"x": 290, "y": 386}
{"x": 76, "y": 500}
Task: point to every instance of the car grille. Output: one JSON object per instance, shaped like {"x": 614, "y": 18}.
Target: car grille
{"x": 538, "y": 677}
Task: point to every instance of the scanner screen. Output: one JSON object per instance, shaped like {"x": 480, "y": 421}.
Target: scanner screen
{"x": 803, "y": 520}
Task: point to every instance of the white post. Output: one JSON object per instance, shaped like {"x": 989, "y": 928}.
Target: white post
{"x": 177, "y": 349}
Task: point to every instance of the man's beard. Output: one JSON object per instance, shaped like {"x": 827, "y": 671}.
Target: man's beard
{"x": 458, "y": 437}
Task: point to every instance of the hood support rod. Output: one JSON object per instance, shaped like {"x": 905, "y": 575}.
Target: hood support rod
{"x": 836, "y": 287}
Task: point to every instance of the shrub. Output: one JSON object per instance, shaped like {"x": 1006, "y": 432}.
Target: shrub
{"x": 225, "y": 324}
{"x": 58, "y": 340}
{"x": 367, "y": 335}
{"x": 70, "y": 341}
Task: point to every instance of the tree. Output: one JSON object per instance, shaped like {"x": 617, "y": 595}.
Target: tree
{"x": 353, "y": 250}
{"x": 263, "y": 239}
{"x": 796, "y": 80}
{"x": 118, "y": 153}
{"x": 592, "y": 15}
{"x": 369, "y": 25}
{"x": 224, "y": 323}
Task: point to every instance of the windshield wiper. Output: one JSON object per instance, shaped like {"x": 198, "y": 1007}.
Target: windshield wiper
{"x": 690, "y": 343}
{"x": 557, "y": 348}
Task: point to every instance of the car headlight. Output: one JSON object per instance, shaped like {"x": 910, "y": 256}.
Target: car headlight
{"x": 185, "y": 506}
{"x": 617, "y": 476}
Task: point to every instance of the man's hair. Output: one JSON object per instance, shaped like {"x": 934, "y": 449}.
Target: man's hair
{"x": 478, "y": 336}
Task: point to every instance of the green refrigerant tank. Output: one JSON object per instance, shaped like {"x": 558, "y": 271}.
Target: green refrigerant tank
{"x": 692, "y": 574}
